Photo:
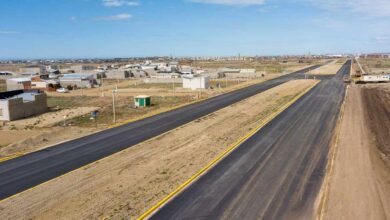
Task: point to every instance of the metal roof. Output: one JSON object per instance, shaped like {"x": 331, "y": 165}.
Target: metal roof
{"x": 77, "y": 75}
{"x": 142, "y": 96}
{"x": 20, "y": 79}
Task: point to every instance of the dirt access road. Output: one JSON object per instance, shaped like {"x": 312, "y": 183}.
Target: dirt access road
{"x": 127, "y": 183}
{"x": 359, "y": 185}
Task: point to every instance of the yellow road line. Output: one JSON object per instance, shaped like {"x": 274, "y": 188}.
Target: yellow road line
{"x": 264, "y": 122}
{"x": 9, "y": 157}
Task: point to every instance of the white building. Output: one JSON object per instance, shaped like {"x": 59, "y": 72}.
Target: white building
{"x": 376, "y": 78}
{"x": 196, "y": 82}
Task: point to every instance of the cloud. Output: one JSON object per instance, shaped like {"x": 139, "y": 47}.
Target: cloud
{"x": 231, "y": 2}
{"x": 73, "y": 18}
{"x": 117, "y": 17}
{"x": 377, "y": 8}
{"x": 8, "y": 32}
{"x": 119, "y": 3}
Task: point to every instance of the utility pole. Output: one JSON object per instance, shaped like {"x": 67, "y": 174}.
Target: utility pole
{"x": 200, "y": 87}
{"x": 113, "y": 105}
{"x": 226, "y": 81}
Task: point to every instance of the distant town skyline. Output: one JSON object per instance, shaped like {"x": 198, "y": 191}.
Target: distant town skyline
{"x": 54, "y": 29}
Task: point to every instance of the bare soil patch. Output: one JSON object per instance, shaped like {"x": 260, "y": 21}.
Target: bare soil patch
{"x": 26, "y": 141}
{"x": 359, "y": 186}
{"x": 51, "y": 118}
{"x": 126, "y": 184}
{"x": 377, "y": 104}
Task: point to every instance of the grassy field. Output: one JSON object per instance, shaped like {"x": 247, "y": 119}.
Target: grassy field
{"x": 3, "y": 86}
{"x": 156, "y": 85}
{"x": 375, "y": 65}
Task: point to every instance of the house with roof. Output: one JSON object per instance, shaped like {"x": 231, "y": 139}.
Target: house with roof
{"x": 19, "y": 104}
{"x": 18, "y": 83}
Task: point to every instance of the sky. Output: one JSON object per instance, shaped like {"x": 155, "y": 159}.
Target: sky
{"x": 54, "y": 29}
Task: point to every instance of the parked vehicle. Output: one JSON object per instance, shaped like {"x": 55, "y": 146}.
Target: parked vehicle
{"x": 62, "y": 90}
{"x": 347, "y": 79}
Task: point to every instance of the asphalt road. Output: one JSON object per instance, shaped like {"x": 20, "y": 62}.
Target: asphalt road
{"x": 275, "y": 174}
{"x": 22, "y": 173}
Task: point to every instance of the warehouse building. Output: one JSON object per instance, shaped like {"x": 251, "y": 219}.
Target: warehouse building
{"x": 19, "y": 104}
{"x": 77, "y": 80}
{"x": 196, "y": 82}
{"x": 228, "y": 72}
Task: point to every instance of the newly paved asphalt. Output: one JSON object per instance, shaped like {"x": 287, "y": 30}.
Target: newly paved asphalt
{"x": 276, "y": 174}
{"x": 21, "y": 173}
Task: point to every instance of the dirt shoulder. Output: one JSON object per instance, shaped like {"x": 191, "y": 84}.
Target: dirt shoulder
{"x": 26, "y": 141}
{"x": 127, "y": 183}
{"x": 359, "y": 184}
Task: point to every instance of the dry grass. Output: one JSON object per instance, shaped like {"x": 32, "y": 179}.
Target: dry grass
{"x": 375, "y": 65}
{"x": 124, "y": 110}
{"x": 3, "y": 86}
{"x": 269, "y": 66}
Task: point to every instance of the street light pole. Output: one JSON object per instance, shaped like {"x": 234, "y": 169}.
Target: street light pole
{"x": 200, "y": 87}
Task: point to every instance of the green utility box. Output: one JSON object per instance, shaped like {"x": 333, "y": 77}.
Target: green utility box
{"x": 142, "y": 101}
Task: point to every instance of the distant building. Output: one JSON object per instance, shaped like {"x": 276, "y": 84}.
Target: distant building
{"x": 45, "y": 84}
{"x": 82, "y": 68}
{"x": 228, "y": 72}
{"x": 19, "y": 104}
{"x": 118, "y": 74}
{"x": 77, "y": 80}
{"x": 18, "y": 83}
{"x": 196, "y": 82}
{"x": 6, "y": 74}
{"x": 247, "y": 73}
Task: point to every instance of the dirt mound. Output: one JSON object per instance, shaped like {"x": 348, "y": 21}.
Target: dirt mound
{"x": 377, "y": 104}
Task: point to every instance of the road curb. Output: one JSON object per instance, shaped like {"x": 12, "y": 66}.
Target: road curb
{"x": 220, "y": 157}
